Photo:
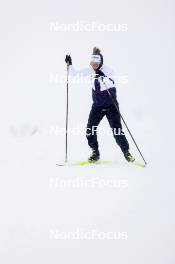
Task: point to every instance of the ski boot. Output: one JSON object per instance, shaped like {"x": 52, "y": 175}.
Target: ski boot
{"x": 95, "y": 156}
{"x": 128, "y": 156}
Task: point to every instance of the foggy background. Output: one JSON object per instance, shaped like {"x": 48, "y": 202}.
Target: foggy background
{"x": 31, "y": 103}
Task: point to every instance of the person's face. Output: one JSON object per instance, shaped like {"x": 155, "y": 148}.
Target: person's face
{"x": 94, "y": 65}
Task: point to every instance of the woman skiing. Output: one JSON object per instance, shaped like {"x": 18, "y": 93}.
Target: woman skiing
{"x": 104, "y": 104}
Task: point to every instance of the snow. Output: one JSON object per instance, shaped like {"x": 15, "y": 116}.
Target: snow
{"x": 39, "y": 199}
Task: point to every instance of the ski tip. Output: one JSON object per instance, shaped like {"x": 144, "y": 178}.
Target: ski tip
{"x": 138, "y": 164}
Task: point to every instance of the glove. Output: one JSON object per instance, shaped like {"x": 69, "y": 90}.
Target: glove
{"x": 68, "y": 60}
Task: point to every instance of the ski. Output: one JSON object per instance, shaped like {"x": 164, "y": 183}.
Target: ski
{"x": 92, "y": 162}
{"x": 86, "y": 162}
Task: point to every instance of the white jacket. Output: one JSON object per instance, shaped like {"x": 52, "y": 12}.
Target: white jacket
{"x": 105, "y": 83}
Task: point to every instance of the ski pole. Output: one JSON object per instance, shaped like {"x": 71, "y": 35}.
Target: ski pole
{"x": 126, "y": 126}
{"x": 67, "y": 113}
{"x": 114, "y": 103}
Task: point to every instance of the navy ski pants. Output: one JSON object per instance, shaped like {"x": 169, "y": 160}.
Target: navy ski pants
{"x": 96, "y": 115}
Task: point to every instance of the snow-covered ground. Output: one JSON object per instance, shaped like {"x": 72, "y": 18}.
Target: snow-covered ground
{"x": 109, "y": 213}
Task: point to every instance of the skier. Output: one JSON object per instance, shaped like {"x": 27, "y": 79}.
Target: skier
{"x": 103, "y": 104}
